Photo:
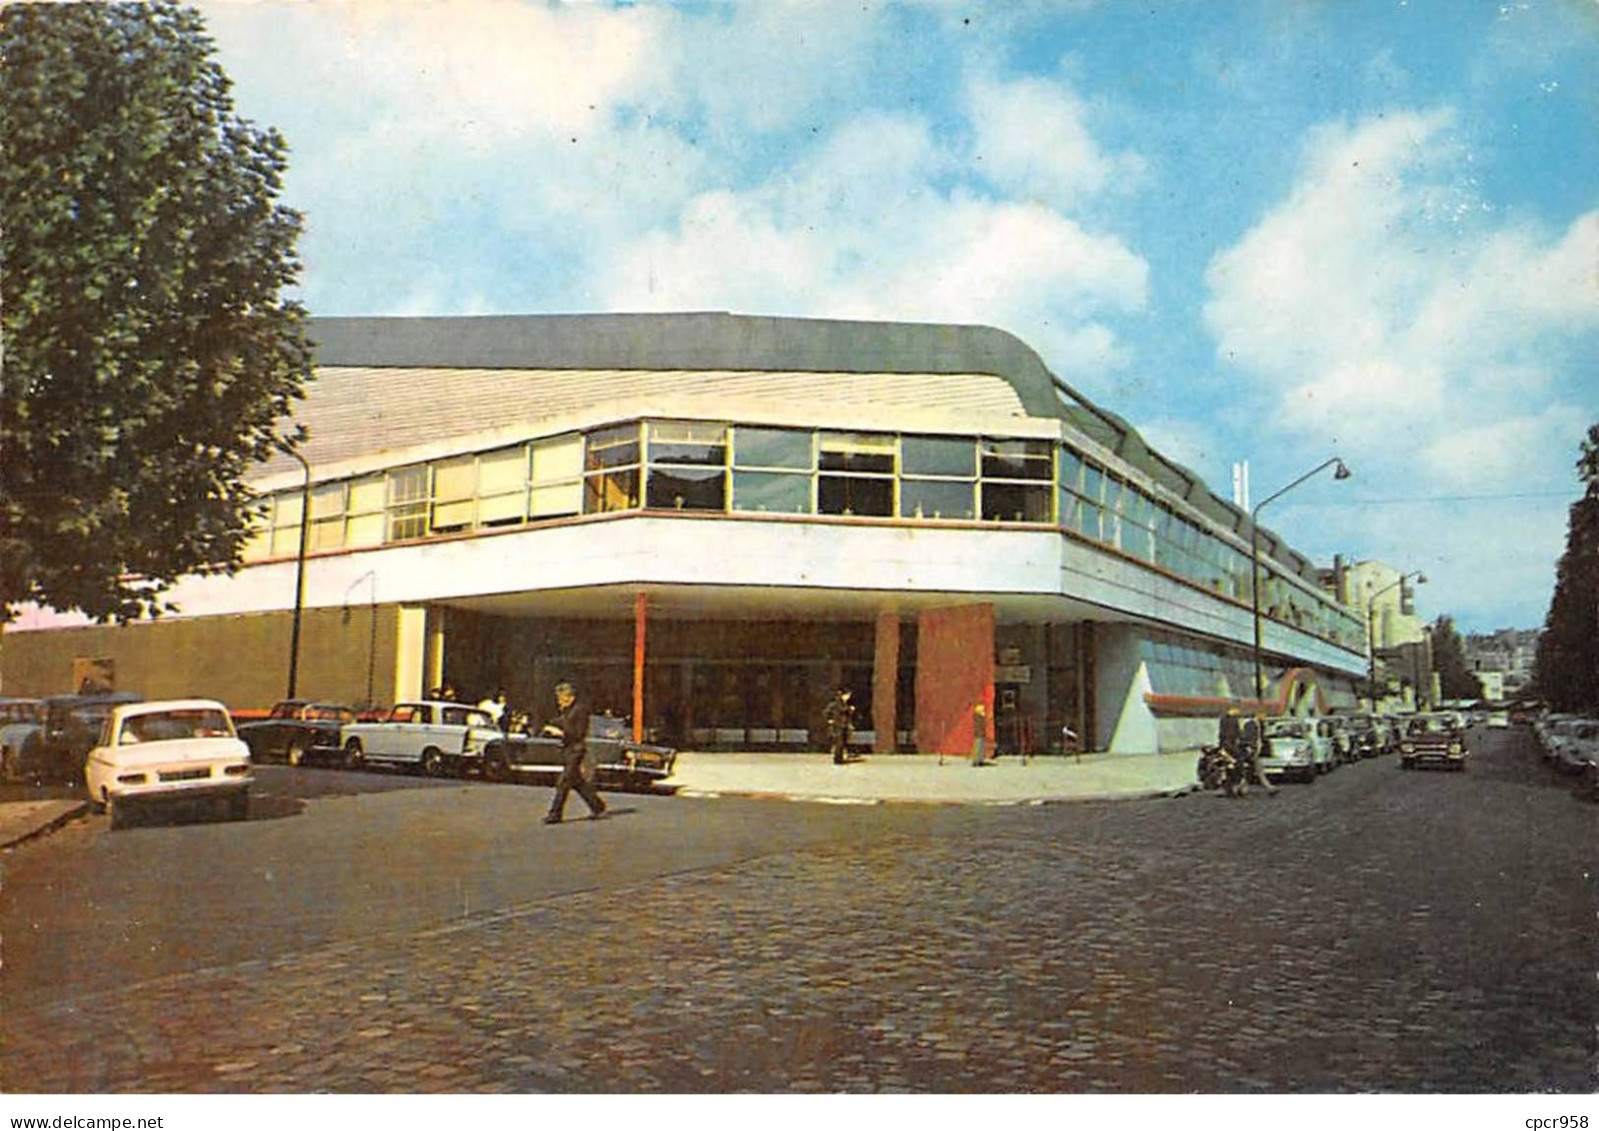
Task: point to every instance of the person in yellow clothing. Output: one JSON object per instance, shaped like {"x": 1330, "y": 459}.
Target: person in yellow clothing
{"x": 979, "y": 733}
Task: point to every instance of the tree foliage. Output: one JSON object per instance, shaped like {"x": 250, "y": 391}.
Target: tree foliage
{"x": 1567, "y": 666}
{"x": 1456, "y": 680}
{"x": 148, "y": 346}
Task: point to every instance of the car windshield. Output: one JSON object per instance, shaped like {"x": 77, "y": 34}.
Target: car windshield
{"x": 1287, "y": 730}
{"x": 466, "y": 716}
{"x": 171, "y": 726}
{"x": 330, "y": 714}
{"x": 1431, "y": 724}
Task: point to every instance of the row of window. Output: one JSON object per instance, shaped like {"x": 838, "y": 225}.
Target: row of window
{"x": 1178, "y": 666}
{"x": 693, "y": 466}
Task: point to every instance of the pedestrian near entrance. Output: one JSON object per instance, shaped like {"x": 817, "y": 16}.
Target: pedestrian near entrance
{"x": 839, "y": 718}
{"x": 1253, "y": 741}
{"x": 571, "y": 726}
{"x": 979, "y": 733}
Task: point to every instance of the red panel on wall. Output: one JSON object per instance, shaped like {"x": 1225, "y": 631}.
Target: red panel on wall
{"x": 885, "y": 684}
{"x": 954, "y": 670}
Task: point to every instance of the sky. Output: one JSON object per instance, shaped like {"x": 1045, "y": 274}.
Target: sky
{"x": 1271, "y": 232}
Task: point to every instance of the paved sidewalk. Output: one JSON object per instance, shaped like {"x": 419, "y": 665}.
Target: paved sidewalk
{"x": 925, "y": 778}
{"x": 877, "y": 779}
{"x": 20, "y": 820}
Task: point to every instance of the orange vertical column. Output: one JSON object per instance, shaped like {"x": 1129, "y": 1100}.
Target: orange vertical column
{"x": 640, "y": 607}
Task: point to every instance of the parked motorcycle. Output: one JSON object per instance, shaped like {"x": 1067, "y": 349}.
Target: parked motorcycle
{"x": 1218, "y": 769}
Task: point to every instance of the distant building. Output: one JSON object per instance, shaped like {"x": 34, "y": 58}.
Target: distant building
{"x": 1508, "y": 651}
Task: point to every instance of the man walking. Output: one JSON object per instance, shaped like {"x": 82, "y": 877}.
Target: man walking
{"x": 839, "y": 717}
{"x": 1254, "y": 749}
{"x": 571, "y": 725}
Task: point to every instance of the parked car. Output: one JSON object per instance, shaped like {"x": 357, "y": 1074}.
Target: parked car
{"x": 66, "y": 727}
{"x": 1368, "y": 735}
{"x": 1576, "y": 744}
{"x": 618, "y": 761}
{"x": 1434, "y": 739}
{"x": 1295, "y": 748}
{"x": 1340, "y": 742}
{"x": 167, "y": 751}
{"x": 434, "y": 736}
{"x": 19, "y": 718}
{"x": 296, "y": 731}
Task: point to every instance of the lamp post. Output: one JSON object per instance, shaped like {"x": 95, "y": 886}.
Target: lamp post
{"x": 1371, "y": 627}
{"x": 1341, "y": 471}
{"x": 299, "y": 570}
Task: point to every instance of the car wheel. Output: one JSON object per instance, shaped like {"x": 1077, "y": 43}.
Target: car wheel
{"x": 296, "y": 752}
{"x": 495, "y": 769}
{"x": 432, "y": 762}
{"x": 121, "y": 818}
{"x": 354, "y": 756}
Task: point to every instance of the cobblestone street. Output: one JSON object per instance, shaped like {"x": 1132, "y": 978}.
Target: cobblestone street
{"x": 1377, "y": 931}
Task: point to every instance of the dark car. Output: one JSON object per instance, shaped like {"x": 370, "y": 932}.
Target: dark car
{"x": 618, "y": 761}
{"x": 56, "y": 746}
{"x": 1368, "y": 737}
{"x": 1437, "y": 739}
{"x": 297, "y": 730}
{"x": 19, "y": 718}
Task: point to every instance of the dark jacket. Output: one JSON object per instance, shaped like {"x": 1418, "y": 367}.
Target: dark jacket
{"x": 1230, "y": 734}
{"x": 573, "y": 724}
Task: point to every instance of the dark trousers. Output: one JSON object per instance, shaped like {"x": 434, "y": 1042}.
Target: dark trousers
{"x": 572, "y": 777}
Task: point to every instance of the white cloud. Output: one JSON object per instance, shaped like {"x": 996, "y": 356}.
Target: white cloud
{"x": 1497, "y": 452}
{"x": 1031, "y": 138}
{"x": 1378, "y": 304}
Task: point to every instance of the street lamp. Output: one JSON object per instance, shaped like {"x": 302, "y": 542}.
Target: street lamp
{"x": 299, "y": 571}
{"x": 1371, "y": 627}
{"x": 1341, "y": 471}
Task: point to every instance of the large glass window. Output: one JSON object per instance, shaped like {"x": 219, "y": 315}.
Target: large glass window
{"x": 611, "y": 466}
{"x": 1018, "y": 481}
{"x": 688, "y": 466}
{"x": 408, "y": 503}
{"x": 938, "y": 478}
{"x": 773, "y": 491}
{"x": 939, "y": 456}
{"x": 772, "y": 448}
{"x": 857, "y": 473}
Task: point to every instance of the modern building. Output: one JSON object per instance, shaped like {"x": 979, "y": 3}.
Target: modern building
{"x": 712, "y": 522}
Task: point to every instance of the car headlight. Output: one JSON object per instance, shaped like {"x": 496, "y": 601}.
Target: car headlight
{"x": 1454, "y": 748}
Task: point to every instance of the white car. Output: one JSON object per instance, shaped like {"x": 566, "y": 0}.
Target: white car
{"x": 1297, "y": 748}
{"x": 168, "y": 750}
{"x": 433, "y": 736}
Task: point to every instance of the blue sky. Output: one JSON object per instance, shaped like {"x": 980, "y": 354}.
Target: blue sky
{"x": 1266, "y": 231}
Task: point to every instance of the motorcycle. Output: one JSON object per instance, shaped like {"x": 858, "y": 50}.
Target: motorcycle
{"x": 1218, "y": 769}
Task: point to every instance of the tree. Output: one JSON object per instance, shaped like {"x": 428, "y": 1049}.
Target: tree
{"x": 148, "y": 348}
{"x": 1455, "y": 677}
{"x": 1566, "y": 669}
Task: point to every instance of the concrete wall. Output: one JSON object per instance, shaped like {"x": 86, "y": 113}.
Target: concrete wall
{"x": 241, "y": 660}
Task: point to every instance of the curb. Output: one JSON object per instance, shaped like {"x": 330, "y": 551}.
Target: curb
{"x": 71, "y": 813}
{"x": 1146, "y": 794}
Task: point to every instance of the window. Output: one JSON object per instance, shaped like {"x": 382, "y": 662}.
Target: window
{"x": 611, "y": 466}
{"x": 502, "y": 487}
{"x": 857, "y": 473}
{"x": 363, "y": 512}
{"x": 1017, "y": 481}
{"x": 454, "y": 488}
{"x": 772, "y": 448}
{"x": 408, "y": 503}
{"x": 939, "y": 478}
{"x": 286, "y": 524}
{"x": 556, "y": 477}
{"x": 327, "y": 516}
{"x": 776, "y": 492}
{"x": 688, "y": 466}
